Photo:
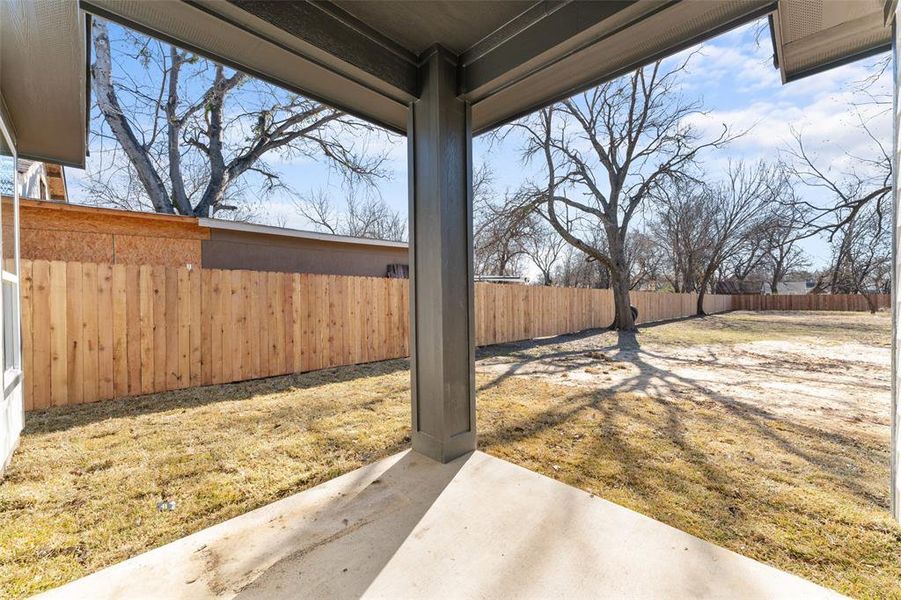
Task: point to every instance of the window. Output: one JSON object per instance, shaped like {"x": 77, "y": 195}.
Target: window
{"x": 9, "y": 261}
{"x": 11, "y": 359}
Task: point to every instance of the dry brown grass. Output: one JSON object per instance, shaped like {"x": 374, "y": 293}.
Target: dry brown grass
{"x": 82, "y": 490}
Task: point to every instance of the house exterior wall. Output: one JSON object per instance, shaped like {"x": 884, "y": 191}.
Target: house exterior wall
{"x": 227, "y": 249}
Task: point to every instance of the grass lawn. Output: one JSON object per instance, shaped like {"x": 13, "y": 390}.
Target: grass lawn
{"x": 807, "y": 496}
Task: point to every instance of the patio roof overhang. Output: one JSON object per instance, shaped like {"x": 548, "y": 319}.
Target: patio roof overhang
{"x": 43, "y": 79}
{"x": 514, "y": 56}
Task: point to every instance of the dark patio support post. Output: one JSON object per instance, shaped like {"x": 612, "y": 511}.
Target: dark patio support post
{"x": 896, "y": 269}
{"x": 442, "y": 332}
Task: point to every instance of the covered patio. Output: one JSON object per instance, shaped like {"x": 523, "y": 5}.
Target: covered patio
{"x": 411, "y": 527}
{"x": 443, "y": 519}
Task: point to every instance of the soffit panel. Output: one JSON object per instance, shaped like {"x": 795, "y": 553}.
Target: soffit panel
{"x": 43, "y": 78}
{"x": 814, "y": 35}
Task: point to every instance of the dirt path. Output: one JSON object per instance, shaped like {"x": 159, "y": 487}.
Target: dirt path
{"x": 810, "y": 367}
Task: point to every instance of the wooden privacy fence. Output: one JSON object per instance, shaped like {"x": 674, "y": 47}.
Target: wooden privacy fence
{"x": 98, "y": 331}
{"x": 832, "y": 302}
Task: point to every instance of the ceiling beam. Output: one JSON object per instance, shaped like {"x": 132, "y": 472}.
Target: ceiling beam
{"x": 343, "y": 36}
{"x": 548, "y": 30}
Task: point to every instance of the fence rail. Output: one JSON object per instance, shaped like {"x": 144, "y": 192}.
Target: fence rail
{"x": 99, "y": 331}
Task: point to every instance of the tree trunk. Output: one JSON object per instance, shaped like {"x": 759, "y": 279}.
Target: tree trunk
{"x": 622, "y": 318}
{"x": 108, "y": 103}
{"x": 700, "y": 308}
{"x": 871, "y": 302}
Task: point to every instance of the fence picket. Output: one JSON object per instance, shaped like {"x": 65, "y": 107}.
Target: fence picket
{"x": 42, "y": 328}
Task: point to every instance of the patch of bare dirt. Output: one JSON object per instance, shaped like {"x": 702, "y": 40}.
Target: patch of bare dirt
{"x": 809, "y": 377}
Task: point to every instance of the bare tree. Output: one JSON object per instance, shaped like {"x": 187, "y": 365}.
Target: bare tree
{"x": 499, "y": 223}
{"x": 645, "y": 259}
{"x": 867, "y": 181}
{"x": 189, "y": 135}
{"x": 854, "y": 217}
{"x": 577, "y": 269}
{"x": 543, "y": 246}
{"x": 364, "y": 218}
{"x": 784, "y": 256}
{"x": 861, "y": 256}
{"x": 605, "y": 153}
{"x": 749, "y": 257}
{"x": 680, "y": 208}
{"x": 735, "y": 210}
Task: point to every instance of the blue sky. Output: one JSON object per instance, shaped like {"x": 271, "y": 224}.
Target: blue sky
{"x": 734, "y": 76}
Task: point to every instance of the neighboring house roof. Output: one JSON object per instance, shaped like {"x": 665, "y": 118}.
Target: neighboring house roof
{"x": 795, "y": 287}
{"x": 732, "y": 286}
{"x": 296, "y": 233}
{"x": 41, "y": 181}
{"x": 68, "y": 232}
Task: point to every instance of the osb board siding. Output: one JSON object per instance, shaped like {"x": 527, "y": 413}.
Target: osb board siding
{"x": 84, "y": 246}
{"x": 141, "y": 250}
{"x": 98, "y": 331}
{"x": 51, "y": 231}
{"x": 69, "y": 217}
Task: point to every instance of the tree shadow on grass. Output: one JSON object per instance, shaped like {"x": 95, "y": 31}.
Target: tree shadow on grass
{"x": 673, "y": 394}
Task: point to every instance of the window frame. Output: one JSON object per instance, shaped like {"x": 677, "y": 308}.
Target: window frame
{"x": 13, "y": 375}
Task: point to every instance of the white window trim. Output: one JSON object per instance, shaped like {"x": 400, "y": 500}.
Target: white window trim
{"x": 12, "y": 376}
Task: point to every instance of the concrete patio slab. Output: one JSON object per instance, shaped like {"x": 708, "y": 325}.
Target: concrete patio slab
{"x": 408, "y": 527}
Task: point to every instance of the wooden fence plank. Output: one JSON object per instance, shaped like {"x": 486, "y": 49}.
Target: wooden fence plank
{"x": 183, "y": 306}
{"x": 105, "y": 323}
{"x": 89, "y": 332}
{"x": 206, "y": 327}
{"x": 173, "y": 327}
{"x": 160, "y": 327}
{"x": 216, "y": 311}
{"x": 196, "y": 327}
{"x": 26, "y": 281}
{"x": 238, "y": 329}
{"x": 74, "y": 331}
{"x": 41, "y": 367}
{"x": 134, "y": 328}
{"x": 146, "y": 368}
{"x": 120, "y": 331}
{"x": 59, "y": 344}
